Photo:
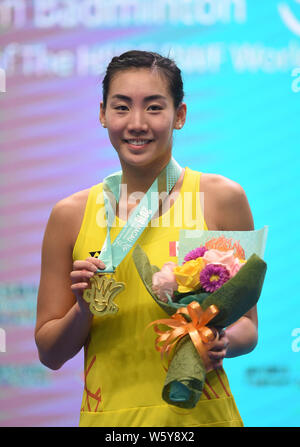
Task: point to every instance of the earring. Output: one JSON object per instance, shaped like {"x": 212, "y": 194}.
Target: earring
{"x": 180, "y": 125}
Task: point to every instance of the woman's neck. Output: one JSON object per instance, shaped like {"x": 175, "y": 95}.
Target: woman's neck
{"x": 140, "y": 179}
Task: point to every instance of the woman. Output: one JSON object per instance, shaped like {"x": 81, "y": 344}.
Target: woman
{"x": 142, "y": 105}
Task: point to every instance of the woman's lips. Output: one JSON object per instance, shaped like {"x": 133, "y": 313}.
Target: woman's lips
{"x": 137, "y": 144}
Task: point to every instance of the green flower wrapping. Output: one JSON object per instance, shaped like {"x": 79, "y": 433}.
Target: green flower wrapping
{"x": 186, "y": 372}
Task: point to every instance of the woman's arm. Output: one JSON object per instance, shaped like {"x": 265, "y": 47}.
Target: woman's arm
{"x": 238, "y": 339}
{"x": 242, "y": 335}
{"x": 63, "y": 318}
{"x": 233, "y": 213}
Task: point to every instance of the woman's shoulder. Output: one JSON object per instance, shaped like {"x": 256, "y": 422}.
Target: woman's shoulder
{"x": 227, "y": 202}
{"x": 221, "y": 186}
{"x": 67, "y": 214}
{"x": 73, "y": 203}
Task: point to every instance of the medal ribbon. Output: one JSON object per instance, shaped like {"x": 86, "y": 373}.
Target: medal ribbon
{"x": 112, "y": 254}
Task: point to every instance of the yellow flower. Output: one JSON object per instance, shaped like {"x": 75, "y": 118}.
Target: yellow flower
{"x": 188, "y": 275}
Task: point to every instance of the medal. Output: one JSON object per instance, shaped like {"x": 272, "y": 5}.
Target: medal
{"x": 104, "y": 288}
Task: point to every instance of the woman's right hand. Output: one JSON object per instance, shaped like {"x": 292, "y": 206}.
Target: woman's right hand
{"x": 83, "y": 271}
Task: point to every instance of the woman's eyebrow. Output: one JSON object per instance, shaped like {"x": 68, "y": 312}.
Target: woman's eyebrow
{"x": 146, "y": 99}
{"x": 155, "y": 97}
{"x": 123, "y": 97}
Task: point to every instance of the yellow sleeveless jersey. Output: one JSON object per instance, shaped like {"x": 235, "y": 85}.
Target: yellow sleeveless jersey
{"x": 123, "y": 373}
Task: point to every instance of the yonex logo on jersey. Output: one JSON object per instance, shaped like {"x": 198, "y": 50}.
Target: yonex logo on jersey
{"x": 95, "y": 254}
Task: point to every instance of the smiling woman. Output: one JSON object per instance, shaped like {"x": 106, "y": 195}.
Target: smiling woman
{"x": 140, "y": 116}
{"x": 142, "y": 106}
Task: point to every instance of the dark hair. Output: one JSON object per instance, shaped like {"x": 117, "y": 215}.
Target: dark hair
{"x": 145, "y": 59}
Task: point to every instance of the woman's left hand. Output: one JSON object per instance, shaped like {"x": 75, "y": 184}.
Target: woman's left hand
{"x": 218, "y": 352}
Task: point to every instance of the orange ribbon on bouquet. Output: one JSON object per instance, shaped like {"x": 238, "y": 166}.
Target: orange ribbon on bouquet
{"x": 196, "y": 328}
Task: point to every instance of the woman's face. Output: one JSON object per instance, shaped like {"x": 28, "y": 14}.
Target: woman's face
{"x": 140, "y": 117}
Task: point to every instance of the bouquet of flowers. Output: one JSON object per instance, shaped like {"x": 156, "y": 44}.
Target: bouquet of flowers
{"x": 217, "y": 282}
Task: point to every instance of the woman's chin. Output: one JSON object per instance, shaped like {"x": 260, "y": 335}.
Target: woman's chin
{"x": 142, "y": 158}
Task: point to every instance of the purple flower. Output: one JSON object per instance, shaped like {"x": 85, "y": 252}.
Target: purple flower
{"x": 194, "y": 254}
{"x": 213, "y": 276}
